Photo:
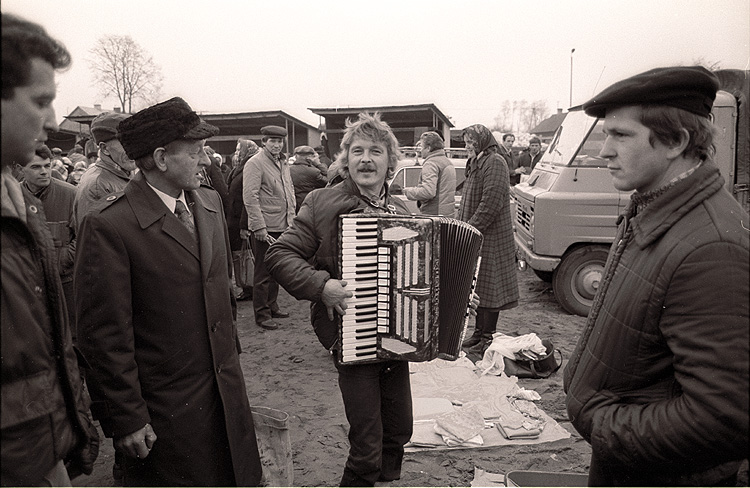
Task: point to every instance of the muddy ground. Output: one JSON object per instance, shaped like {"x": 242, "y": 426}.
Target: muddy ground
{"x": 289, "y": 370}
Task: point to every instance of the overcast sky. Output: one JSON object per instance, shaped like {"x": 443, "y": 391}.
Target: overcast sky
{"x": 465, "y": 56}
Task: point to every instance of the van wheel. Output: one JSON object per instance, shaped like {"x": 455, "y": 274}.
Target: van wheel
{"x": 545, "y": 276}
{"x": 577, "y": 278}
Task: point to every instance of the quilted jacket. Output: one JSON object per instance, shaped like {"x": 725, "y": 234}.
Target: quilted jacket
{"x": 658, "y": 383}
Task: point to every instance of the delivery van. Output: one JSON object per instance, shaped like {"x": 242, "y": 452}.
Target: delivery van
{"x": 567, "y": 209}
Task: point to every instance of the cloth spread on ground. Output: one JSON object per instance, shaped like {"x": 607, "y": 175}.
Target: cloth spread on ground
{"x": 457, "y": 407}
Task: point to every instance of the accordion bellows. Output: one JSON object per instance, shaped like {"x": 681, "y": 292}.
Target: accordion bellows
{"x": 411, "y": 279}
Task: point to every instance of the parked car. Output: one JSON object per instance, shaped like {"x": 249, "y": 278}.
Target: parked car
{"x": 410, "y": 168}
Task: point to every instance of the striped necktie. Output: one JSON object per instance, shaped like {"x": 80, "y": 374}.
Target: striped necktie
{"x": 184, "y": 215}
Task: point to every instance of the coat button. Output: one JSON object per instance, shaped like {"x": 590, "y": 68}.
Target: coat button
{"x": 218, "y": 369}
{"x": 38, "y": 289}
{"x": 215, "y": 326}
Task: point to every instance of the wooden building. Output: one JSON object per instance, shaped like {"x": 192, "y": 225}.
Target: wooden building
{"x": 407, "y": 121}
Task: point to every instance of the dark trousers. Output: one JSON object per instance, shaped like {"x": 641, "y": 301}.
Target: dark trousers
{"x": 377, "y": 401}
{"x": 265, "y": 288}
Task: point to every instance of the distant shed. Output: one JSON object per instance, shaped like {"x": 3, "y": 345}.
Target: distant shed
{"x": 407, "y": 121}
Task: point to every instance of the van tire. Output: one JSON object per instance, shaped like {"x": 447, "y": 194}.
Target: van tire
{"x": 577, "y": 278}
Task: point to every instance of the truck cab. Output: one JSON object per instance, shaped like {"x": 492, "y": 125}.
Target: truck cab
{"x": 567, "y": 209}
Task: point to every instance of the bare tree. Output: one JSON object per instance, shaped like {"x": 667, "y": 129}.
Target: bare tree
{"x": 504, "y": 119}
{"x": 532, "y": 114}
{"x": 520, "y": 116}
{"x": 123, "y": 69}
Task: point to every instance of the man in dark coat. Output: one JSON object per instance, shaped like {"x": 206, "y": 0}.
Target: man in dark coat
{"x": 46, "y": 425}
{"x": 155, "y": 314}
{"x": 658, "y": 383}
{"x": 308, "y": 173}
{"x": 527, "y": 160}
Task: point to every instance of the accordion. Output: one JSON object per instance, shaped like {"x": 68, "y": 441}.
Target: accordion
{"x": 412, "y": 278}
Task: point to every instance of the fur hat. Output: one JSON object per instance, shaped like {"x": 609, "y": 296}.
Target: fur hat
{"x": 160, "y": 124}
{"x": 690, "y": 88}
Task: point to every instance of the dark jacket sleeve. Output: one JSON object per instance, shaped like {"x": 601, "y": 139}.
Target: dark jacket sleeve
{"x": 706, "y": 329}
{"x": 219, "y": 184}
{"x": 105, "y": 327}
{"x": 288, "y": 259}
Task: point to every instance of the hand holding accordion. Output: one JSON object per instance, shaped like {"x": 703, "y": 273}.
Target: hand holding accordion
{"x": 395, "y": 266}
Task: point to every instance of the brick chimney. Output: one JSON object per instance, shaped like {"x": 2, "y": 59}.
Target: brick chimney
{"x": 98, "y": 106}
{"x": 117, "y": 110}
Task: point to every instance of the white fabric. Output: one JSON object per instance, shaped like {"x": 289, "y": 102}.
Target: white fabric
{"x": 506, "y": 346}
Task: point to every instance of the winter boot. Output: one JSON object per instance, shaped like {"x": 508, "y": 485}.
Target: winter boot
{"x": 488, "y": 321}
{"x": 474, "y": 339}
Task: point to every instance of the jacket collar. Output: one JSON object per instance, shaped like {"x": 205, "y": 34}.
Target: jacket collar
{"x": 149, "y": 209}
{"x": 661, "y": 214}
{"x": 273, "y": 158}
{"x": 435, "y": 153}
{"x": 107, "y": 164}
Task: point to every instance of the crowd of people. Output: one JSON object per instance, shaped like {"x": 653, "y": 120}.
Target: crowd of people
{"x": 133, "y": 267}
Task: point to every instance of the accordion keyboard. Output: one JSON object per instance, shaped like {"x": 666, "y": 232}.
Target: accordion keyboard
{"x": 367, "y": 275}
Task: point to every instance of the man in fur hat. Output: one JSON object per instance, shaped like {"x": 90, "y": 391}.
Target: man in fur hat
{"x": 155, "y": 314}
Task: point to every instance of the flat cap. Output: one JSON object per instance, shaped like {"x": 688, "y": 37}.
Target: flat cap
{"x": 273, "y": 131}
{"x": 104, "y": 126}
{"x": 304, "y": 150}
{"x": 160, "y": 124}
{"x": 690, "y": 88}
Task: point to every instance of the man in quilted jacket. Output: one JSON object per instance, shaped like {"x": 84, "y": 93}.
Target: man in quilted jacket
{"x": 658, "y": 383}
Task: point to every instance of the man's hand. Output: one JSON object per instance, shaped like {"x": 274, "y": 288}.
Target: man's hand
{"x": 333, "y": 296}
{"x": 395, "y": 189}
{"x": 137, "y": 444}
{"x": 263, "y": 236}
{"x": 521, "y": 170}
{"x": 244, "y": 233}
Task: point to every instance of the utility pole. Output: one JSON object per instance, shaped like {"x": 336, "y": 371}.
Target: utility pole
{"x": 571, "y": 76}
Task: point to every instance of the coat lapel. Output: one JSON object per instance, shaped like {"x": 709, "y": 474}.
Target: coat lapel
{"x": 149, "y": 209}
{"x": 205, "y": 215}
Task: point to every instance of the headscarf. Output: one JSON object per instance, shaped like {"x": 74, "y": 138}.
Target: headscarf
{"x": 481, "y": 136}
{"x": 247, "y": 150}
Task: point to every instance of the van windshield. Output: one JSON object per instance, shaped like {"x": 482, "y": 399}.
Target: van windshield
{"x": 577, "y": 142}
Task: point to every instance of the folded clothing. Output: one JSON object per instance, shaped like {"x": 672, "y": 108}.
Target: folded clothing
{"x": 461, "y": 425}
{"x": 520, "y": 423}
{"x": 518, "y": 433}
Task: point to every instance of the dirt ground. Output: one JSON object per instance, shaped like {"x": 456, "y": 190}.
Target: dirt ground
{"x": 289, "y": 370}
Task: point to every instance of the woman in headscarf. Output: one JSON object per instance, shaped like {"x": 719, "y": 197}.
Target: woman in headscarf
{"x": 485, "y": 204}
{"x": 236, "y": 214}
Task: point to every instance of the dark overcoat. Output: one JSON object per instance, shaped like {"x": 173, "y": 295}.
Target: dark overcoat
{"x": 155, "y": 323}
